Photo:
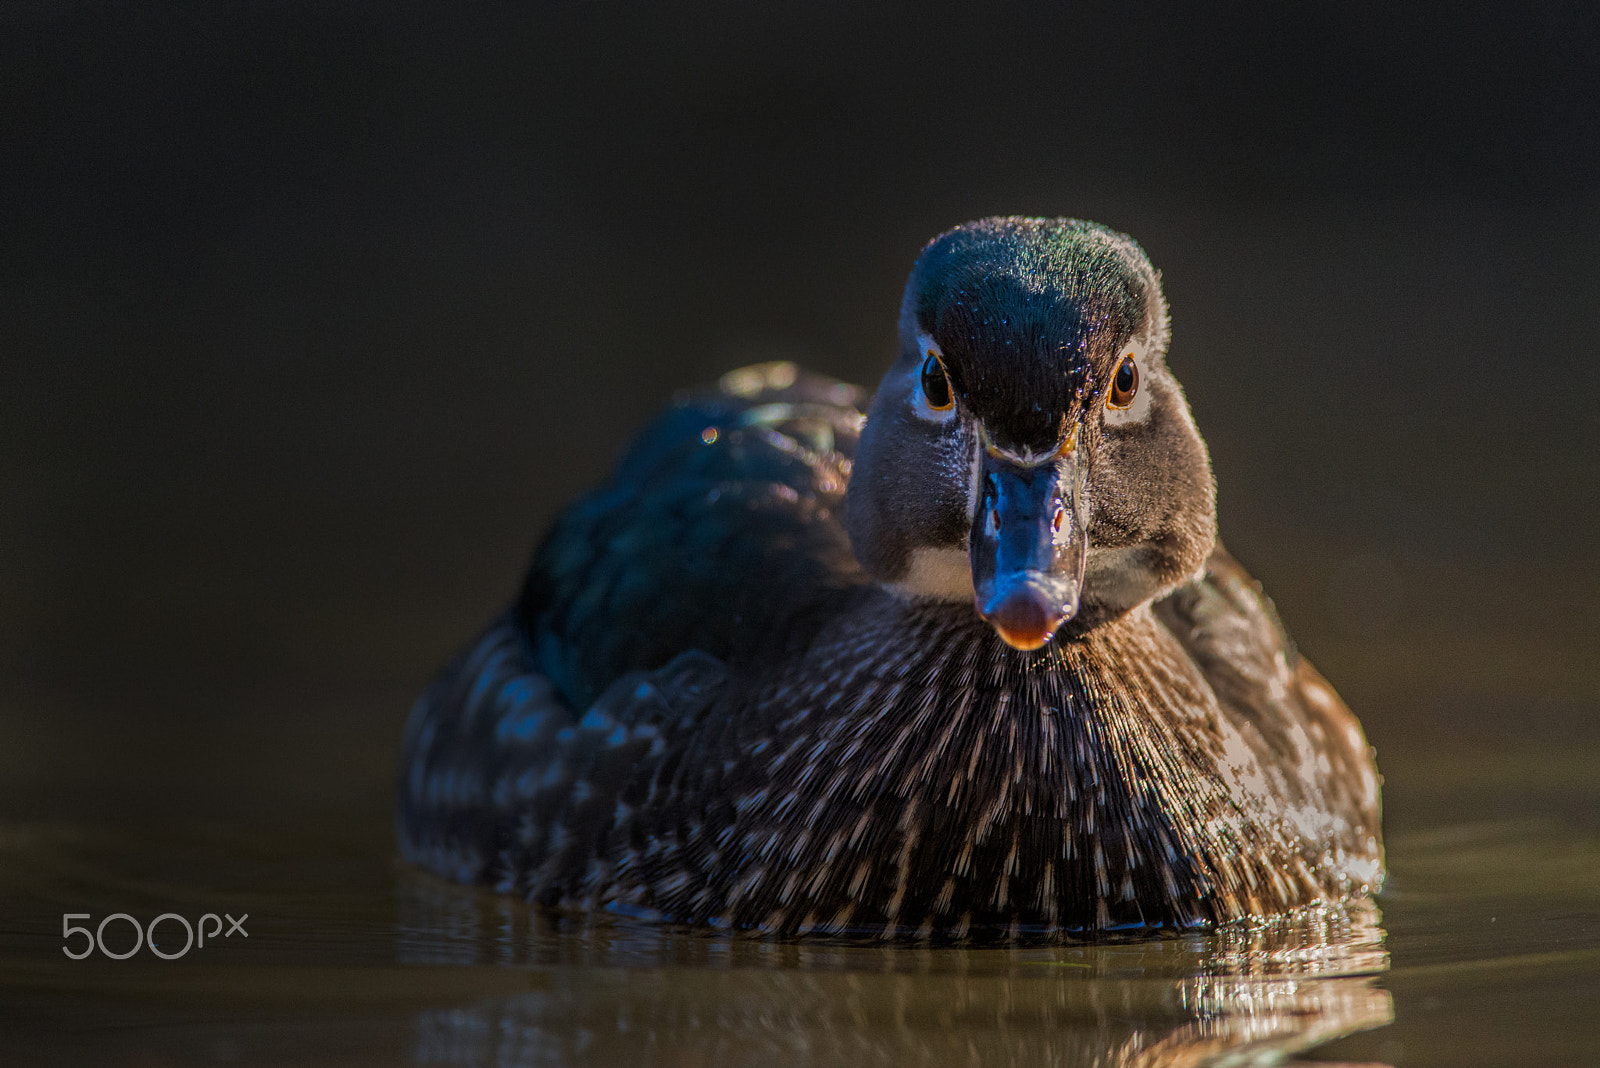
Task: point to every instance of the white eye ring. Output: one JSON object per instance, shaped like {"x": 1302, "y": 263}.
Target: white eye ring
{"x": 1137, "y": 410}
{"x": 924, "y": 409}
{"x": 1124, "y": 383}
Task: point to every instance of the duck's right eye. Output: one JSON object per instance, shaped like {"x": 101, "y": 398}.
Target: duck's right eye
{"x": 936, "y": 384}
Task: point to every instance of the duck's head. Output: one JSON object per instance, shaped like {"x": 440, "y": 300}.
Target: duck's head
{"x": 1029, "y": 452}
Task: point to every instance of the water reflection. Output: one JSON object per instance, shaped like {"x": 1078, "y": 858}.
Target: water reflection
{"x": 622, "y": 991}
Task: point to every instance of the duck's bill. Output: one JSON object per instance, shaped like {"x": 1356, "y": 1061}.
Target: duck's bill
{"x": 1028, "y": 546}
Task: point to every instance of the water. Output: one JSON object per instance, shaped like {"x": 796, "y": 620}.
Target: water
{"x": 310, "y": 321}
{"x": 1483, "y": 949}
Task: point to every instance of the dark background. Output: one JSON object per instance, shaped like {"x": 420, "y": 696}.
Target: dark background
{"x": 312, "y": 314}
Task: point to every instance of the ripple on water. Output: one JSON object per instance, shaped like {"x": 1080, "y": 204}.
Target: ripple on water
{"x": 1493, "y": 925}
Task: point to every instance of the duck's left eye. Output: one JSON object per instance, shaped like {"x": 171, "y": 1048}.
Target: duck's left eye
{"x": 936, "y": 384}
{"x": 1124, "y": 384}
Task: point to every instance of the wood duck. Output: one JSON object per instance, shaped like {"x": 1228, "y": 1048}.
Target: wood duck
{"x": 974, "y": 664}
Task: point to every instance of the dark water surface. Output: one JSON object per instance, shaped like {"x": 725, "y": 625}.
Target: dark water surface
{"x": 1486, "y": 951}
{"x": 312, "y": 315}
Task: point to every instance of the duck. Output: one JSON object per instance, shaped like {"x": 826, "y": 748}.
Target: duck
{"x": 960, "y": 659}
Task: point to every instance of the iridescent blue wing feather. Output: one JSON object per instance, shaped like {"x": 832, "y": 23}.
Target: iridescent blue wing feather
{"x": 717, "y": 536}
{"x": 722, "y": 514}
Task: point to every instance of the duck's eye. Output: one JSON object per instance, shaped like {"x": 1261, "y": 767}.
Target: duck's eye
{"x": 1124, "y": 384}
{"x": 936, "y": 384}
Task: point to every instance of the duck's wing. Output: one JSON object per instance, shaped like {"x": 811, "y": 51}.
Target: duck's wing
{"x": 721, "y": 526}
{"x": 503, "y": 783}
{"x": 1289, "y": 713}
